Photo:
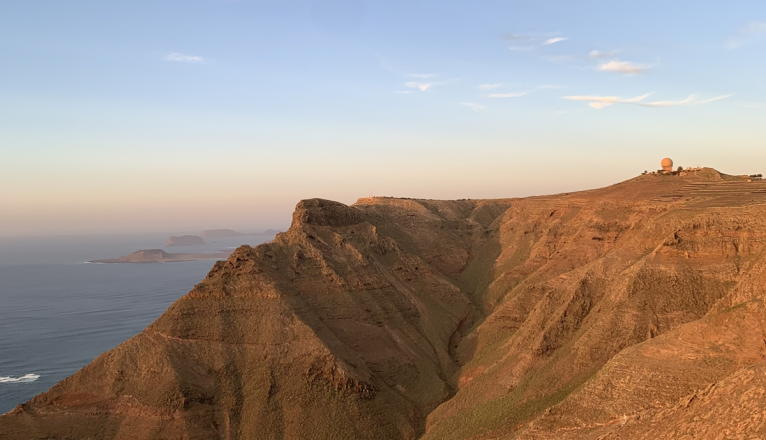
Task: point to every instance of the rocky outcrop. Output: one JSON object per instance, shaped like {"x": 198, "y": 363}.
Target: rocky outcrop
{"x": 320, "y": 212}
{"x": 621, "y": 312}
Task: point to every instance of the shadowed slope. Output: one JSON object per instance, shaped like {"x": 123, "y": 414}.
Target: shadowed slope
{"x": 332, "y": 330}
{"x": 578, "y": 282}
{"x": 567, "y": 316}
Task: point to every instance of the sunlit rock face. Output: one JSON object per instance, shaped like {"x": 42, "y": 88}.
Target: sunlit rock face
{"x": 632, "y": 311}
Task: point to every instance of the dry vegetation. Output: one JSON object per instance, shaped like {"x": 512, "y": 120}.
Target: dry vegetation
{"x": 633, "y": 311}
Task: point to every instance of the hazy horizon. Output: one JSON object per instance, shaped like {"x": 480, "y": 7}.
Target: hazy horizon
{"x": 134, "y": 117}
{"x": 163, "y": 233}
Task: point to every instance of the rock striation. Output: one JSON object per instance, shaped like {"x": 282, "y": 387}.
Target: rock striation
{"x": 632, "y": 311}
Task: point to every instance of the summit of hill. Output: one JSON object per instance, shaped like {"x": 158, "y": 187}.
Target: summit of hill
{"x": 632, "y": 311}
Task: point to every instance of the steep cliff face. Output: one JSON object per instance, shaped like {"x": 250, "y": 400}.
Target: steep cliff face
{"x": 621, "y": 312}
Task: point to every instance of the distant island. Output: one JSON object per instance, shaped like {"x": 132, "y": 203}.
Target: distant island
{"x": 160, "y": 256}
{"x": 185, "y": 240}
{"x": 210, "y": 234}
{"x": 220, "y": 233}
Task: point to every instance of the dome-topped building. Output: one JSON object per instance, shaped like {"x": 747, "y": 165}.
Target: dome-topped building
{"x": 667, "y": 164}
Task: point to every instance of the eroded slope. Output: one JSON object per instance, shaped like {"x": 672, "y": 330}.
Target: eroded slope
{"x": 333, "y": 330}
{"x": 620, "y": 312}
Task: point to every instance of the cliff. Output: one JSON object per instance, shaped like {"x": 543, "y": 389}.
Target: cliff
{"x": 632, "y": 311}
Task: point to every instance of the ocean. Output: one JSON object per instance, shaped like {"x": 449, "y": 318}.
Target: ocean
{"x": 58, "y": 312}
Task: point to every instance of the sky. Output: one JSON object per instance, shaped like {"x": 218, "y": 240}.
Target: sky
{"x": 170, "y": 115}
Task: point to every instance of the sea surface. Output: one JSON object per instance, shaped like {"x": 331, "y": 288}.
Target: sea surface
{"x": 58, "y": 312}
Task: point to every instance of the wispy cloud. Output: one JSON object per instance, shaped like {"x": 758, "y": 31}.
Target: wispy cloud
{"x": 473, "y": 106}
{"x": 745, "y": 33}
{"x": 755, "y": 105}
{"x": 418, "y": 85}
{"x": 183, "y": 58}
{"x": 423, "y": 82}
{"x": 489, "y": 86}
{"x": 597, "y": 54}
{"x": 507, "y": 95}
{"x": 605, "y": 101}
{"x": 550, "y": 41}
{"x": 424, "y": 86}
{"x": 527, "y": 42}
{"x": 691, "y": 100}
{"x": 622, "y": 67}
{"x": 599, "y": 102}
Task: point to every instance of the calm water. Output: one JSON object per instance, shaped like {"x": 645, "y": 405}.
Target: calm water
{"x": 58, "y": 313}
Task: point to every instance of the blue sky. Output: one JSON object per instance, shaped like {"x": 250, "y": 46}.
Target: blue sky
{"x": 120, "y": 116}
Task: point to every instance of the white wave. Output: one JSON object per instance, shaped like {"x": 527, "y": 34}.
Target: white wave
{"x": 21, "y": 379}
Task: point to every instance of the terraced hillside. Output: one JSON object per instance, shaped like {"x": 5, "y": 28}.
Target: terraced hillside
{"x": 632, "y": 311}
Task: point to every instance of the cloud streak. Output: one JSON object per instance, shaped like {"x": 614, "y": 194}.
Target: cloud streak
{"x": 523, "y": 42}
{"x": 622, "y": 67}
{"x": 599, "y": 102}
{"x": 550, "y": 41}
{"x": 419, "y": 85}
{"x": 423, "y": 81}
{"x": 691, "y": 100}
{"x": 507, "y": 95}
{"x": 424, "y": 86}
{"x": 489, "y": 86}
{"x": 605, "y": 101}
{"x": 183, "y": 58}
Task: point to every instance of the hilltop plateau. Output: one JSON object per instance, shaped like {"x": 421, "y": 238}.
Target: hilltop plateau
{"x": 634, "y": 311}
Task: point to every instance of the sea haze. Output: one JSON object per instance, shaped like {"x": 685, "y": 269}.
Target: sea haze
{"x": 58, "y": 313}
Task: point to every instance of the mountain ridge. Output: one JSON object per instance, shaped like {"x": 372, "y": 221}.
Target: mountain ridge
{"x": 403, "y": 318}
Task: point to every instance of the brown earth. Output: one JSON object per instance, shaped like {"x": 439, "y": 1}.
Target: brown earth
{"x": 634, "y": 311}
